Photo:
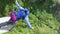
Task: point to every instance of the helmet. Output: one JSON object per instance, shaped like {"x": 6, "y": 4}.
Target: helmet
{"x": 13, "y": 17}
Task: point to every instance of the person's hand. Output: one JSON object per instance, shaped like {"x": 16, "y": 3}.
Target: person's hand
{"x": 32, "y": 27}
{"x": 16, "y": 1}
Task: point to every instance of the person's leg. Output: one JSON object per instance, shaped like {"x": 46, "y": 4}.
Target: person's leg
{"x": 27, "y": 22}
{"x": 4, "y": 21}
{"x": 11, "y": 24}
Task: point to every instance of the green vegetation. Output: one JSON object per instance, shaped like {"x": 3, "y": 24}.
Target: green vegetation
{"x": 43, "y": 16}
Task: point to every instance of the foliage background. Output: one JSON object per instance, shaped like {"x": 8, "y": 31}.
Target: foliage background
{"x": 44, "y": 16}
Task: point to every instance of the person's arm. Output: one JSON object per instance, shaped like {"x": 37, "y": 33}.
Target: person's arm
{"x": 17, "y": 4}
{"x": 27, "y": 22}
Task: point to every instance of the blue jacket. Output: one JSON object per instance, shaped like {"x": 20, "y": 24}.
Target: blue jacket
{"x": 22, "y": 13}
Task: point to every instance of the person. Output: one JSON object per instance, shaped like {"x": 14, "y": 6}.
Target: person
{"x": 20, "y": 14}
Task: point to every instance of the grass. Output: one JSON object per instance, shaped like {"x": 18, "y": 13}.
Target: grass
{"x": 43, "y": 21}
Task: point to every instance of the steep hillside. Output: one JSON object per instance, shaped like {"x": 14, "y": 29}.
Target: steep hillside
{"x": 42, "y": 16}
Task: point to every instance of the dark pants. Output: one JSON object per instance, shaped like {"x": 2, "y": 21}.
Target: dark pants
{"x": 7, "y": 23}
